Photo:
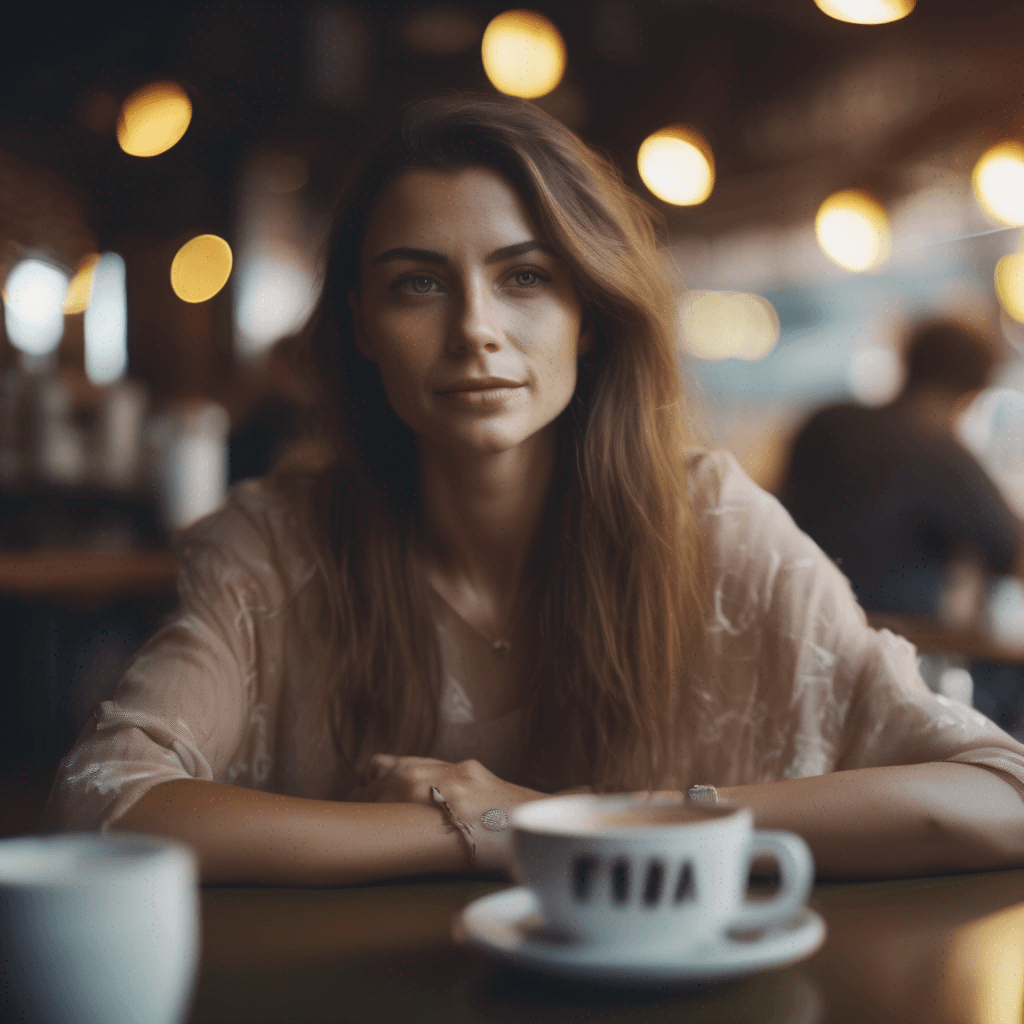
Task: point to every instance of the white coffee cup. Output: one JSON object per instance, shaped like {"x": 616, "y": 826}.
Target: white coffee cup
{"x": 97, "y": 929}
{"x": 636, "y": 869}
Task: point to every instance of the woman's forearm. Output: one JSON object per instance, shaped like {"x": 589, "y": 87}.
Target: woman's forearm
{"x": 248, "y": 837}
{"x": 888, "y": 822}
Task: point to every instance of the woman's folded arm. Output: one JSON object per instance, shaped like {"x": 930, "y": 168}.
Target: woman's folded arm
{"x": 918, "y": 819}
{"x": 250, "y": 837}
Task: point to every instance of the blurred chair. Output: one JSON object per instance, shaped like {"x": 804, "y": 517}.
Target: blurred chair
{"x": 275, "y": 416}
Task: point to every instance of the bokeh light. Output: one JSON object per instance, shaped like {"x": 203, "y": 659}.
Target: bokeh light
{"x": 728, "y": 325}
{"x": 200, "y": 268}
{"x": 523, "y": 54}
{"x": 998, "y": 181}
{"x": 80, "y": 290}
{"x": 853, "y": 230}
{"x": 33, "y": 306}
{"x": 866, "y": 12}
{"x": 677, "y": 166}
{"x": 153, "y": 119}
{"x": 275, "y": 292}
{"x": 875, "y": 375}
{"x": 106, "y": 322}
{"x": 1010, "y": 285}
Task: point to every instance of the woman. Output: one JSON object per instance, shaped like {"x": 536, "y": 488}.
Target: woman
{"x": 520, "y": 574}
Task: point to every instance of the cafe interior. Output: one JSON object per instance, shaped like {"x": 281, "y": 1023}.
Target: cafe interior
{"x": 826, "y": 174}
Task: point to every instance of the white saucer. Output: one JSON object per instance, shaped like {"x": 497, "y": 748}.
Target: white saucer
{"x": 505, "y": 924}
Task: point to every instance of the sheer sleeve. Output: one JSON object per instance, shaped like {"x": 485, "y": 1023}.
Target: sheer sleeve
{"x": 799, "y": 684}
{"x": 890, "y": 723}
{"x": 195, "y": 702}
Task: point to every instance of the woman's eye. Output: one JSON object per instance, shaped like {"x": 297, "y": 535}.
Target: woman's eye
{"x": 420, "y": 285}
{"x": 527, "y": 278}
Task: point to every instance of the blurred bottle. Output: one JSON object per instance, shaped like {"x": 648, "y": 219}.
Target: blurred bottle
{"x": 57, "y": 441}
{"x": 188, "y": 446}
{"x": 948, "y": 675}
{"x": 120, "y": 423}
{"x": 962, "y": 602}
{"x": 957, "y": 684}
{"x": 1005, "y": 611}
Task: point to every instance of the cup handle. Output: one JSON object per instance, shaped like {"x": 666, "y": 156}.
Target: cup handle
{"x": 796, "y": 879}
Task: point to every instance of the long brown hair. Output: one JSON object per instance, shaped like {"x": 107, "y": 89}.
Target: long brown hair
{"x": 616, "y": 576}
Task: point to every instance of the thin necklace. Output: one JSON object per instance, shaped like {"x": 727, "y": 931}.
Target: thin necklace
{"x": 502, "y": 647}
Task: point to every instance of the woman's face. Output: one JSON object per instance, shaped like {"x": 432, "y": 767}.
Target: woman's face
{"x": 476, "y": 326}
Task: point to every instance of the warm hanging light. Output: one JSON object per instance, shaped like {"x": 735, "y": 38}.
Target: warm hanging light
{"x": 153, "y": 119}
{"x": 200, "y": 268}
{"x": 866, "y": 12}
{"x": 853, "y": 230}
{"x": 523, "y": 54}
{"x": 728, "y": 325}
{"x": 677, "y": 166}
{"x": 80, "y": 290}
{"x": 1010, "y": 284}
{"x": 998, "y": 181}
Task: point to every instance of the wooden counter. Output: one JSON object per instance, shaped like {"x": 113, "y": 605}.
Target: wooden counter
{"x": 930, "y": 636}
{"x": 63, "y": 573}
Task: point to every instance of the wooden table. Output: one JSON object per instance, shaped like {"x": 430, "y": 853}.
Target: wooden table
{"x": 930, "y": 636}
{"x": 97, "y": 575}
{"x": 946, "y": 950}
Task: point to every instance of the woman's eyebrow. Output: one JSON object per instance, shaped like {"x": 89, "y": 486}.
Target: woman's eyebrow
{"x": 416, "y": 255}
{"x": 506, "y": 252}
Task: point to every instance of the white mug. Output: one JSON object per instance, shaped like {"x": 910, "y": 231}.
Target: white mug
{"x": 97, "y": 929}
{"x": 637, "y": 869}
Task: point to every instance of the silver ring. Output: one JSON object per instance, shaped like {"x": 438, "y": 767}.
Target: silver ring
{"x": 703, "y": 794}
{"x": 494, "y": 820}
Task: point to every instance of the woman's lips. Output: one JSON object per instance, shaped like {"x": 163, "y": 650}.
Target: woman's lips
{"x": 482, "y": 393}
{"x": 479, "y": 384}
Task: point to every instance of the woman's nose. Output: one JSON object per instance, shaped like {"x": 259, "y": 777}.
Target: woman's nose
{"x": 477, "y": 323}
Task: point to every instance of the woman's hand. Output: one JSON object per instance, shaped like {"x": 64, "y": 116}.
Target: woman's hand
{"x": 468, "y": 787}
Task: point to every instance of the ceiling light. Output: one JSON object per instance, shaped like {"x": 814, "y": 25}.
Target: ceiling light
{"x": 106, "y": 322}
{"x": 1010, "y": 284}
{"x": 80, "y": 290}
{"x": 33, "y": 300}
{"x": 853, "y": 230}
{"x": 677, "y": 166}
{"x": 200, "y": 268}
{"x": 998, "y": 181}
{"x": 523, "y": 54}
{"x": 866, "y": 12}
{"x": 728, "y": 325}
{"x": 153, "y": 119}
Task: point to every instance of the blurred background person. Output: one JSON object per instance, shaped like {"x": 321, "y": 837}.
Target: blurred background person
{"x": 890, "y": 492}
{"x": 899, "y": 503}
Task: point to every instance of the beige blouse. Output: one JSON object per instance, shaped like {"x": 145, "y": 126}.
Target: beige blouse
{"x": 797, "y": 683}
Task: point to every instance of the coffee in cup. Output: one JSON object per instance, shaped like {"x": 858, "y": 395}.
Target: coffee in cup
{"x": 635, "y": 868}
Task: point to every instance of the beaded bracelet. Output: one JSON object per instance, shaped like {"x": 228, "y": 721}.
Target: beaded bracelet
{"x": 456, "y": 822}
